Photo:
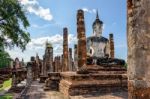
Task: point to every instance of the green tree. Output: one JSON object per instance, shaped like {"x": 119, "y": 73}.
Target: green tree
{"x": 4, "y": 59}
{"x": 13, "y": 25}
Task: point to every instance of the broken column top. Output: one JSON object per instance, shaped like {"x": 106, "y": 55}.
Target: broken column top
{"x": 32, "y": 58}
{"x": 80, "y": 11}
{"x": 111, "y": 35}
{"x": 65, "y": 31}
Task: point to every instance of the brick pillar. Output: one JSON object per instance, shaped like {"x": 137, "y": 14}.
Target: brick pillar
{"x": 61, "y": 62}
{"x": 75, "y": 57}
{"x": 43, "y": 66}
{"x": 54, "y": 69}
{"x": 38, "y": 64}
{"x": 138, "y": 35}
{"x": 65, "y": 50}
{"x": 70, "y": 60}
{"x": 111, "y": 46}
{"x": 81, "y": 39}
{"x": 51, "y": 59}
{"x": 56, "y": 64}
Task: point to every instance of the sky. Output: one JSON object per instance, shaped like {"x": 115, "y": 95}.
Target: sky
{"x": 47, "y": 19}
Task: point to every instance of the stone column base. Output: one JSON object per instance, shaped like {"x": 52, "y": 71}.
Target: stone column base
{"x": 138, "y": 93}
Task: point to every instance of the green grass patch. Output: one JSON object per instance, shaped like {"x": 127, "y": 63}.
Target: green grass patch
{"x": 6, "y": 84}
{"x": 7, "y": 96}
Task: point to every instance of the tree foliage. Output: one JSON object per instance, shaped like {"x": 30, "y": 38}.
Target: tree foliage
{"x": 13, "y": 25}
{"x": 4, "y": 59}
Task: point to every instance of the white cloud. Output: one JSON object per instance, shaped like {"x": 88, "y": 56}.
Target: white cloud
{"x": 37, "y": 45}
{"x": 89, "y": 10}
{"x": 33, "y": 6}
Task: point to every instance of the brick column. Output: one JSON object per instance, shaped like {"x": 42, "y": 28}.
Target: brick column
{"x": 56, "y": 64}
{"x": 65, "y": 50}
{"x": 81, "y": 39}
{"x": 51, "y": 59}
{"x": 75, "y": 57}
{"x": 54, "y": 69}
{"x": 70, "y": 60}
{"x": 138, "y": 35}
{"x": 61, "y": 62}
{"x": 111, "y": 46}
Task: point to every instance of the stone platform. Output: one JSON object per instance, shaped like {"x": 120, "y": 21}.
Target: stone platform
{"x": 52, "y": 82}
{"x": 43, "y": 78}
{"x": 100, "y": 79}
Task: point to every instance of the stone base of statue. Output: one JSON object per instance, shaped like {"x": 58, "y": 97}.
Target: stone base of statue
{"x": 52, "y": 82}
{"x": 93, "y": 80}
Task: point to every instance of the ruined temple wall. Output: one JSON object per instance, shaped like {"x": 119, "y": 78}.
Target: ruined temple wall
{"x": 138, "y": 35}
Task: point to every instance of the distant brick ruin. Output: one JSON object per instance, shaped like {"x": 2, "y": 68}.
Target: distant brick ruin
{"x": 47, "y": 64}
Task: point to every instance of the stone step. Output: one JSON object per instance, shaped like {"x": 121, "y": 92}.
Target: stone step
{"x": 107, "y": 68}
{"x": 95, "y": 83}
{"x": 82, "y": 77}
{"x": 89, "y": 87}
{"x": 80, "y": 84}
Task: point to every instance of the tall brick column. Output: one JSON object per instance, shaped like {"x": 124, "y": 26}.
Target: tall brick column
{"x": 56, "y": 67}
{"x": 138, "y": 35}
{"x": 75, "y": 57}
{"x": 81, "y": 38}
{"x": 51, "y": 59}
{"x": 70, "y": 60}
{"x": 65, "y": 50}
{"x": 61, "y": 62}
{"x": 111, "y": 46}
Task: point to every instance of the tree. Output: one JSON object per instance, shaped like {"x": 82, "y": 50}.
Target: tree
{"x": 4, "y": 59}
{"x": 13, "y": 25}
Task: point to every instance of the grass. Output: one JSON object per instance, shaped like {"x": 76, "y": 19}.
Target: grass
{"x": 7, "y": 96}
{"x": 6, "y": 84}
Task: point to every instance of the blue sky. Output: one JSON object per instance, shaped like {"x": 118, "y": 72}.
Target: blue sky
{"x": 48, "y": 17}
